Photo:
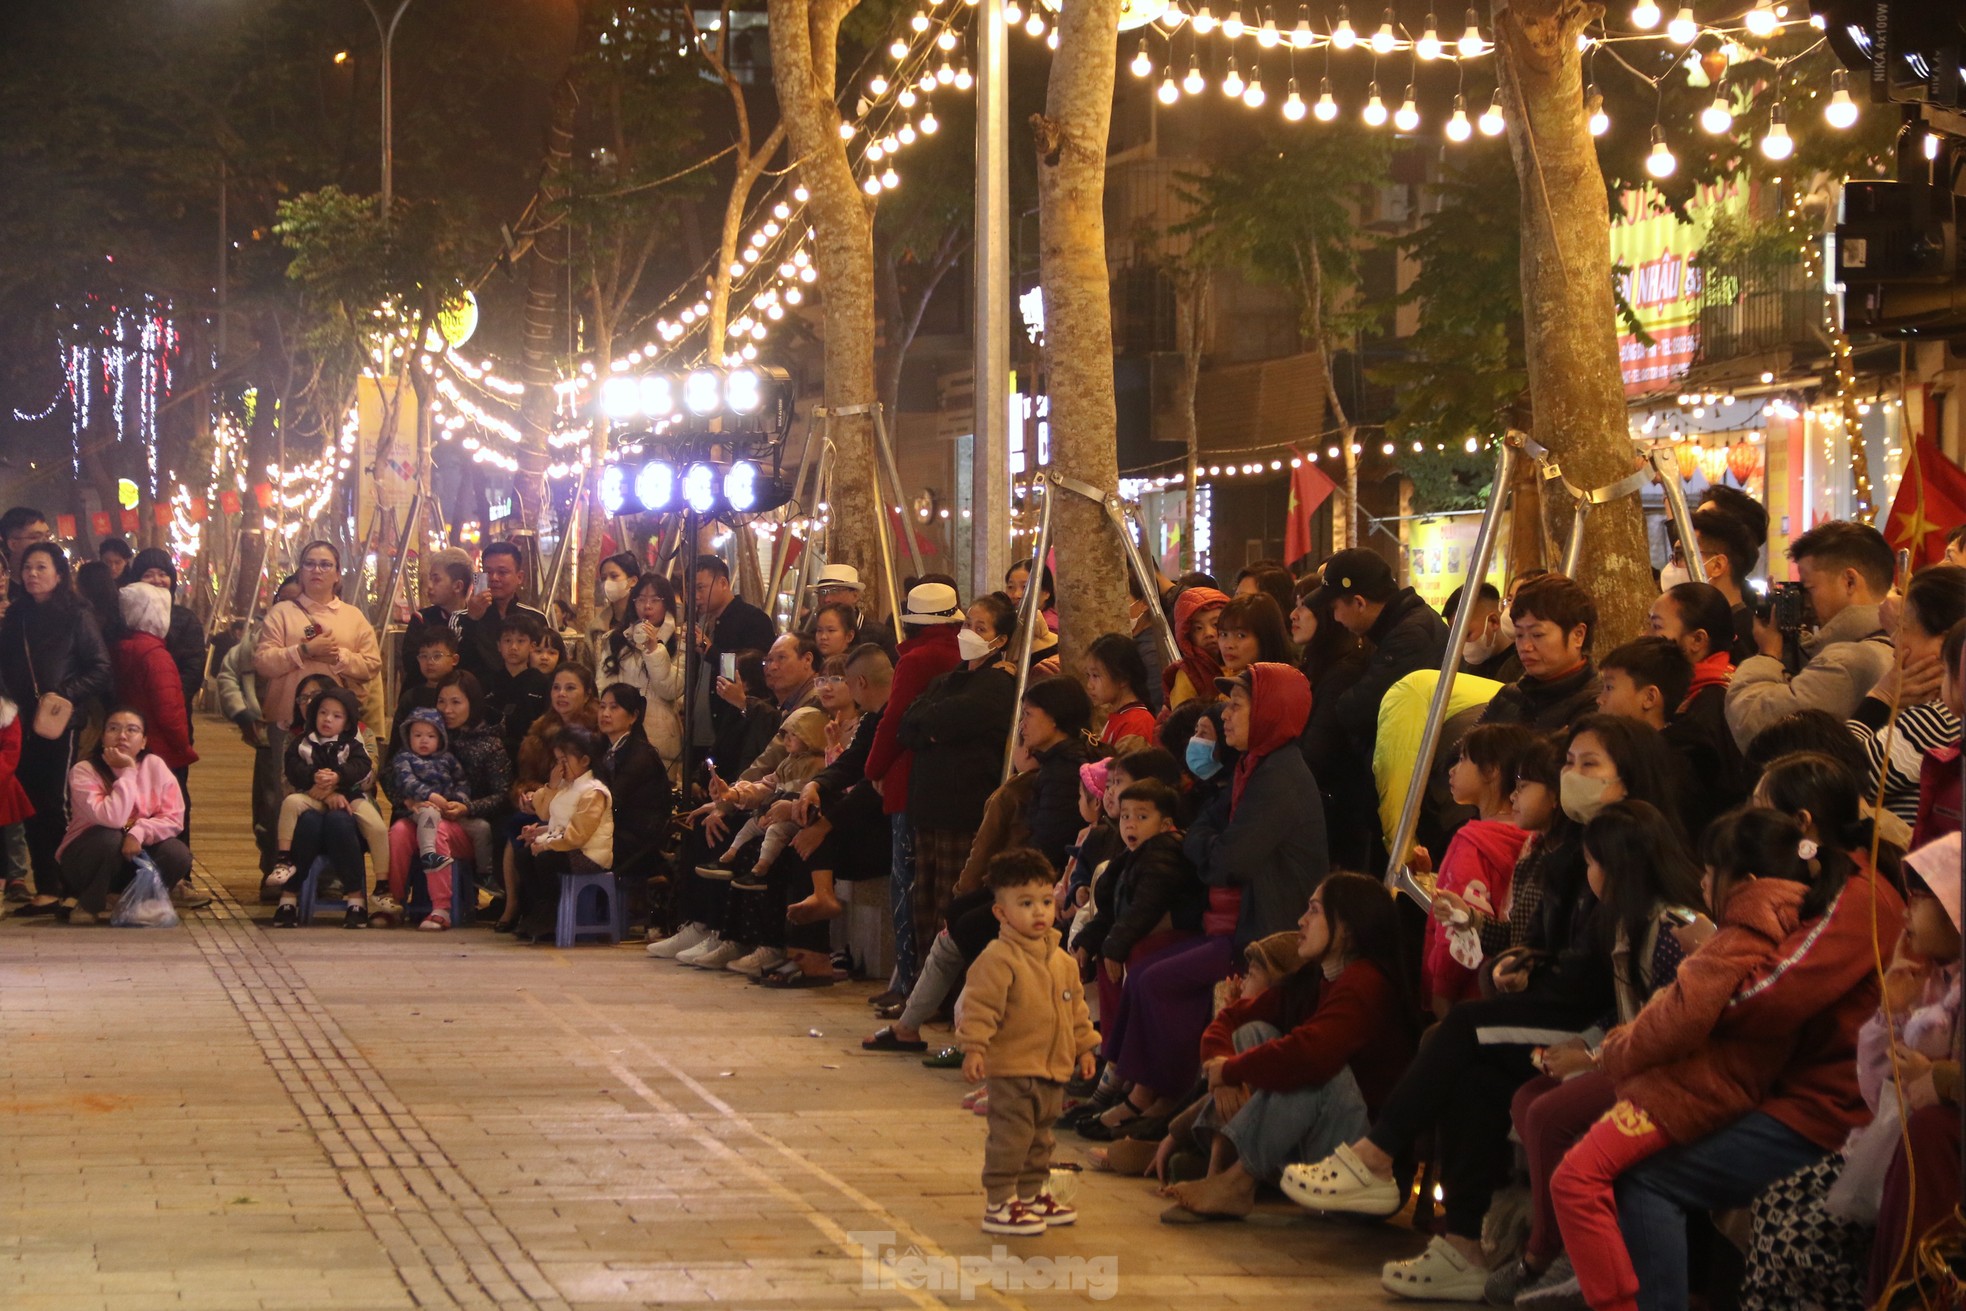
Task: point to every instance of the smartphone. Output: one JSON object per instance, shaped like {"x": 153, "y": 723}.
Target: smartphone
{"x": 1681, "y": 916}
{"x": 478, "y": 581}
{"x": 727, "y": 665}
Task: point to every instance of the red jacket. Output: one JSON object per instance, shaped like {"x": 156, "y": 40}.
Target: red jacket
{"x": 1131, "y": 720}
{"x": 924, "y": 657}
{"x": 1683, "y": 1060}
{"x": 147, "y": 682}
{"x": 1483, "y": 851}
{"x": 1822, "y": 987}
{"x": 1938, "y": 796}
{"x": 1357, "y": 1023}
{"x": 14, "y": 805}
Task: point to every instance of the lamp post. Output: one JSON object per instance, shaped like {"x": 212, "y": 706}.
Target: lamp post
{"x": 387, "y": 31}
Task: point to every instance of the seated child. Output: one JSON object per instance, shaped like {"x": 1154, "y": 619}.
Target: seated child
{"x": 1157, "y": 898}
{"x": 1480, "y": 860}
{"x": 803, "y": 735}
{"x": 576, "y": 834}
{"x": 330, "y": 767}
{"x": 422, "y": 773}
{"x": 436, "y": 660}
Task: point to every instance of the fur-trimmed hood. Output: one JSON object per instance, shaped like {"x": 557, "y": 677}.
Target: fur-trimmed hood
{"x": 146, "y": 609}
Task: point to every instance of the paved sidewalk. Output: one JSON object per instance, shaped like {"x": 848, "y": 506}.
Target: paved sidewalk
{"x": 222, "y": 1117}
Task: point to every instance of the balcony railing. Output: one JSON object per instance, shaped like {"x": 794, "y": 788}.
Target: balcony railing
{"x": 1753, "y": 306}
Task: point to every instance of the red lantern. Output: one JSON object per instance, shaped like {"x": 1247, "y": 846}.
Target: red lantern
{"x": 1743, "y": 461}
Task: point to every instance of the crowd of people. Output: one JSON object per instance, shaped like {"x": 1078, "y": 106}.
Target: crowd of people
{"x": 1688, "y": 970}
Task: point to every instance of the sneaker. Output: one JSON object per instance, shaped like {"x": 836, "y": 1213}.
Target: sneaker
{"x": 749, "y": 882}
{"x": 709, "y": 943}
{"x": 1506, "y": 1281}
{"x": 286, "y": 916}
{"x": 1053, "y": 1212}
{"x": 434, "y": 923}
{"x": 715, "y": 870}
{"x": 186, "y": 897}
{"x": 357, "y": 916}
{"x": 1556, "y": 1289}
{"x": 690, "y": 935}
{"x": 1012, "y": 1217}
{"x": 283, "y": 874}
{"x": 725, "y": 953}
{"x": 755, "y": 963}
{"x": 17, "y": 890}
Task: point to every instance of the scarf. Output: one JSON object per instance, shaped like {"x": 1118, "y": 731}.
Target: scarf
{"x": 1201, "y": 666}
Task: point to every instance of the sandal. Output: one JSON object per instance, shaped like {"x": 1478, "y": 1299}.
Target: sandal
{"x": 1341, "y": 1184}
{"x": 796, "y": 980}
{"x": 1099, "y": 1129}
{"x": 885, "y": 1041}
{"x": 949, "y": 1058}
{"x": 1439, "y": 1274}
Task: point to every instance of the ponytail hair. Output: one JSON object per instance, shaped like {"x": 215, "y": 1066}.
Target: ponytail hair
{"x": 1832, "y": 795}
{"x": 1755, "y": 842}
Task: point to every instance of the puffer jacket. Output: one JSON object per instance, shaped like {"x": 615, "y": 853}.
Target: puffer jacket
{"x": 1154, "y": 883}
{"x": 1546, "y": 705}
{"x": 1052, "y": 813}
{"x": 146, "y": 676}
{"x": 480, "y": 748}
{"x": 414, "y": 778}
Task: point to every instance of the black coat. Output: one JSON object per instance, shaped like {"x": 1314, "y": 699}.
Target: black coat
{"x": 1272, "y": 846}
{"x": 742, "y": 738}
{"x": 849, "y": 767}
{"x": 1546, "y": 707}
{"x": 957, "y": 728}
{"x": 185, "y": 640}
{"x": 514, "y": 701}
{"x": 1714, "y": 779}
{"x": 1344, "y": 779}
{"x": 1052, "y": 812}
{"x": 1408, "y": 635}
{"x": 643, "y": 801}
{"x": 1151, "y": 882}
{"x": 477, "y": 640}
{"x": 68, "y": 655}
{"x": 421, "y": 622}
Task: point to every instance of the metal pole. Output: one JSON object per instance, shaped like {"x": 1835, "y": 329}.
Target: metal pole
{"x": 989, "y": 527}
{"x": 1029, "y": 615}
{"x": 894, "y": 477}
{"x": 388, "y": 35}
{"x": 1398, "y": 876}
{"x": 1136, "y": 558}
{"x": 889, "y": 582}
{"x": 782, "y": 547}
{"x": 565, "y": 545}
{"x": 691, "y": 659}
{"x": 1573, "y": 552}
{"x": 1682, "y": 518}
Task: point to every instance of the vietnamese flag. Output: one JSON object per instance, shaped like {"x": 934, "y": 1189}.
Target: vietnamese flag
{"x": 228, "y": 502}
{"x": 132, "y": 523}
{"x": 99, "y": 523}
{"x": 1309, "y": 489}
{"x": 1931, "y": 502}
{"x": 65, "y": 527}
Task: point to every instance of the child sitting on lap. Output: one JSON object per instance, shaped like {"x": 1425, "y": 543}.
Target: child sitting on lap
{"x": 418, "y": 777}
{"x": 330, "y": 769}
{"x": 803, "y": 735}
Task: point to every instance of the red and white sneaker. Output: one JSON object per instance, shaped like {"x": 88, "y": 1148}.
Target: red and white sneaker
{"x": 1013, "y": 1217}
{"x": 1053, "y": 1212}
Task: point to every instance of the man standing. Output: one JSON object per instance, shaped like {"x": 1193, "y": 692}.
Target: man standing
{"x": 447, "y": 589}
{"x": 839, "y": 584}
{"x": 21, "y": 527}
{"x": 1404, "y": 631}
{"x": 486, "y": 612}
{"x": 725, "y": 624}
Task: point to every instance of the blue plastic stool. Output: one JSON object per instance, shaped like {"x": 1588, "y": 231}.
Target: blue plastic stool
{"x": 606, "y": 918}
{"x": 305, "y": 892}
{"x": 464, "y": 894}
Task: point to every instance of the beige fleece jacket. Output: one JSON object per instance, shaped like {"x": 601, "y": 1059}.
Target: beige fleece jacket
{"x": 1023, "y": 1007}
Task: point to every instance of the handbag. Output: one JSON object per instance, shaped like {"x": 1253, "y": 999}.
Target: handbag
{"x": 51, "y": 713}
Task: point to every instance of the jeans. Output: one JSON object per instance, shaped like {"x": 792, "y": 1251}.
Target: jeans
{"x": 1275, "y": 1129}
{"x": 336, "y": 835}
{"x": 1722, "y": 1170}
{"x": 901, "y": 899}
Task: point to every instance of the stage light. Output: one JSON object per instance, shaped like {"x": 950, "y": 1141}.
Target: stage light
{"x": 614, "y": 490}
{"x": 743, "y": 391}
{"x": 655, "y": 486}
{"x": 702, "y": 392}
{"x": 658, "y": 395}
{"x": 700, "y": 488}
{"x": 620, "y": 398}
{"x": 741, "y": 486}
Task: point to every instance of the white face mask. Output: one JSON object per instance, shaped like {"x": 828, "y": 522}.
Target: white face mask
{"x": 972, "y": 645}
{"x": 1484, "y": 647}
{"x": 615, "y": 589}
{"x": 1673, "y": 575}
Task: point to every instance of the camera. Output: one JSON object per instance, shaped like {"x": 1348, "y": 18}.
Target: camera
{"x": 1785, "y": 605}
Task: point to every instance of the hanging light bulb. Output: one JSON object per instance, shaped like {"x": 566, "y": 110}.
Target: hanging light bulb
{"x": 1717, "y": 117}
{"x": 906, "y": 99}
{"x": 898, "y": 49}
{"x": 1385, "y": 41}
{"x": 1194, "y": 83}
{"x": 1600, "y": 122}
{"x": 1660, "y": 163}
{"x": 800, "y": 194}
{"x": 919, "y": 22}
{"x": 1326, "y": 108}
{"x": 1293, "y": 104}
{"x": 1375, "y": 109}
{"x": 1051, "y": 39}
{"x": 964, "y": 81}
{"x": 1301, "y": 36}
{"x": 878, "y": 85}
{"x": 1841, "y": 111}
{"x": 1471, "y": 45}
{"x": 846, "y": 131}
{"x": 890, "y": 179}
{"x": 1646, "y": 15}
{"x": 1428, "y": 46}
{"x": 1683, "y": 27}
{"x": 1173, "y": 16}
{"x": 1778, "y": 145}
{"x": 872, "y": 186}
{"x": 1491, "y": 121}
{"x": 1169, "y": 92}
{"x": 874, "y": 151}
{"x": 1267, "y": 35}
{"x": 1204, "y": 21}
{"x": 1232, "y": 84}
{"x": 1407, "y": 117}
{"x": 1232, "y": 25}
{"x": 930, "y": 123}
{"x": 1254, "y": 96}
{"x": 1458, "y": 127}
{"x": 1034, "y": 25}
{"x": 945, "y": 74}
{"x": 1762, "y": 20}
{"x": 946, "y": 41}
{"x": 1143, "y": 63}
{"x": 1342, "y": 35}
{"x": 1013, "y": 13}
{"x": 906, "y": 136}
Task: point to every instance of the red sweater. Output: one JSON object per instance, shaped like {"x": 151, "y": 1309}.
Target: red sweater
{"x": 1357, "y": 1023}
{"x": 923, "y": 658}
{"x": 14, "y": 805}
{"x": 147, "y": 682}
{"x": 1822, "y": 987}
{"x": 1131, "y": 720}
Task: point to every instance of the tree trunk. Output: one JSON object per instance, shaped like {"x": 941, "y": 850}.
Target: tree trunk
{"x": 1071, "y": 145}
{"x": 1193, "y": 293}
{"x": 1569, "y": 319}
{"x": 545, "y": 284}
{"x": 805, "y": 56}
{"x": 1345, "y": 527}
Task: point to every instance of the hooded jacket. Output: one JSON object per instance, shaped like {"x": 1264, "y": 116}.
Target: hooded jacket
{"x": 184, "y": 637}
{"x": 345, "y": 754}
{"x": 1546, "y": 705}
{"x": 924, "y": 656}
{"x": 146, "y": 677}
{"x": 1478, "y": 868}
{"x": 1270, "y": 848}
{"x": 1408, "y": 635}
{"x": 414, "y": 778}
{"x": 1684, "y": 1060}
{"x": 1022, "y": 1006}
{"x": 1194, "y": 674}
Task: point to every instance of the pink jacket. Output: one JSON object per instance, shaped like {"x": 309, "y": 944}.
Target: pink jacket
{"x": 146, "y": 793}
{"x": 281, "y": 663}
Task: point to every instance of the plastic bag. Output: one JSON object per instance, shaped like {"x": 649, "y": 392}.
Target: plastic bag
{"x": 146, "y": 902}
{"x": 1867, "y": 1159}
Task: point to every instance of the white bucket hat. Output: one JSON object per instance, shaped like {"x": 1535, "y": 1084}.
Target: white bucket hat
{"x": 838, "y": 575}
{"x": 932, "y": 603}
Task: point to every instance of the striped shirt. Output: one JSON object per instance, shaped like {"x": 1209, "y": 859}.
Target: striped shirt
{"x": 1920, "y": 728}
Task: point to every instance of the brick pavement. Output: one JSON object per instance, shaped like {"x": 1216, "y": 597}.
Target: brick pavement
{"x": 224, "y": 1117}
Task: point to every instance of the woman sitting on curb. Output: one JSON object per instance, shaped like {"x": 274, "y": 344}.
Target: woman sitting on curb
{"x": 122, "y": 800}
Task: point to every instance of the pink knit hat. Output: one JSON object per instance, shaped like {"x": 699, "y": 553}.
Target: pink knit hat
{"x": 1092, "y": 777}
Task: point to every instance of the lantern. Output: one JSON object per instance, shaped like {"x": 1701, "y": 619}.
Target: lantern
{"x": 1743, "y": 461}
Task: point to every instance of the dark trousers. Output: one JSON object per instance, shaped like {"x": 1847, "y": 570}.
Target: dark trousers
{"x": 94, "y": 866}
{"x": 266, "y": 801}
{"x": 183, "y": 777}
{"x": 43, "y": 774}
{"x": 539, "y": 884}
{"x": 334, "y": 834}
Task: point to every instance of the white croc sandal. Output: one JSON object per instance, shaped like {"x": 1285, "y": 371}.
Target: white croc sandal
{"x": 1341, "y": 1184}
{"x": 1439, "y": 1274}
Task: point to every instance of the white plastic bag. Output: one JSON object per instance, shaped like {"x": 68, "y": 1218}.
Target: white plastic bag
{"x": 1867, "y": 1159}
{"x": 146, "y": 902}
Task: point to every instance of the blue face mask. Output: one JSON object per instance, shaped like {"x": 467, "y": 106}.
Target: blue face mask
{"x": 1201, "y": 759}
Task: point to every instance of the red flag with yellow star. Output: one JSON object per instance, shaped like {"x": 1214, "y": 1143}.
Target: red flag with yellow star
{"x": 1931, "y": 502}
{"x": 1309, "y": 488}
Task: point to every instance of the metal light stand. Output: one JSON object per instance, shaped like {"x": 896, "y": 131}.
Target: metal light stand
{"x": 1682, "y": 518}
{"x": 564, "y": 549}
{"x": 691, "y": 658}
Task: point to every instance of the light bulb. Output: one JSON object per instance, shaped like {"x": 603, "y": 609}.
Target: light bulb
{"x": 1646, "y": 15}
{"x": 1013, "y": 13}
{"x": 1777, "y": 145}
{"x": 945, "y": 74}
{"x": 1204, "y": 21}
{"x": 1267, "y": 35}
{"x": 1719, "y": 116}
{"x": 1143, "y": 63}
{"x": 1301, "y": 36}
{"x": 1232, "y": 25}
{"x": 1471, "y": 45}
{"x": 907, "y": 98}
{"x": 872, "y": 186}
{"x": 1683, "y": 27}
{"x": 1491, "y": 121}
{"x": 919, "y": 22}
{"x": 1458, "y": 127}
{"x": 890, "y": 179}
{"x": 1841, "y": 111}
{"x": 1660, "y": 163}
{"x": 1051, "y": 39}
{"x": 1326, "y": 108}
{"x": 1762, "y": 20}
{"x": 1375, "y": 108}
{"x": 906, "y": 136}
{"x": 1342, "y": 35}
{"x": 875, "y": 150}
{"x": 1384, "y": 41}
{"x": 1600, "y": 122}
{"x": 846, "y": 131}
{"x": 930, "y": 123}
{"x": 1293, "y": 104}
{"x": 1172, "y": 17}
{"x": 964, "y": 81}
{"x": 878, "y": 86}
{"x": 1169, "y": 92}
{"x": 946, "y": 41}
{"x": 1232, "y": 84}
{"x": 1428, "y": 46}
{"x": 1034, "y": 25}
{"x": 1194, "y": 84}
{"x": 1407, "y": 117}
{"x": 899, "y": 48}
{"x": 1254, "y": 96}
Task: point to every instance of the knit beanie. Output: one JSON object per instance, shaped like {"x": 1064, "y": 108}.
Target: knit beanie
{"x": 1092, "y": 777}
{"x": 808, "y": 724}
{"x": 151, "y": 557}
{"x": 1278, "y": 952}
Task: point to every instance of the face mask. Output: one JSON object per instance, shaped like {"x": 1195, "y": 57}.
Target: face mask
{"x": 1480, "y": 650}
{"x": 972, "y": 645}
{"x": 1673, "y": 575}
{"x": 1582, "y": 796}
{"x": 1201, "y": 759}
{"x": 615, "y": 589}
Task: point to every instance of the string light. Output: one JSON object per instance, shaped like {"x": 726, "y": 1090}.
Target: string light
{"x": 1762, "y": 20}
{"x": 1717, "y": 117}
{"x": 1660, "y": 162}
{"x": 1471, "y": 45}
{"x": 1143, "y": 63}
{"x": 1342, "y": 35}
{"x": 1777, "y": 145}
{"x": 1293, "y": 104}
{"x": 1841, "y": 111}
{"x": 1194, "y": 83}
{"x": 1254, "y": 96}
{"x": 1491, "y": 122}
{"x": 1204, "y": 21}
{"x": 1232, "y": 25}
{"x": 1326, "y": 108}
{"x": 1375, "y": 108}
{"x": 1600, "y": 122}
{"x": 1407, "y": 117}
{"x": 1646, "y": 15}
{"x": 1428, "y": 47}
{"x": 1384, "y": 41}
{"x": 1683, "y": 28}
{"x": 1232, "y": 82}
{"x": 1168, "y": 92}
{"x": 1458, "y": 127}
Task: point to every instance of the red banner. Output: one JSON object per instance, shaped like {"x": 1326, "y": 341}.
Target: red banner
{"x": 160, "y": 511}
{"x": 198, "y": 509}
{"x": 263, "y": 493}
{"x": 228, "y": 502}
{"x": 132, "y": 522}
{"x": 65, "y": 526}
{"x": 99, "y": 523}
